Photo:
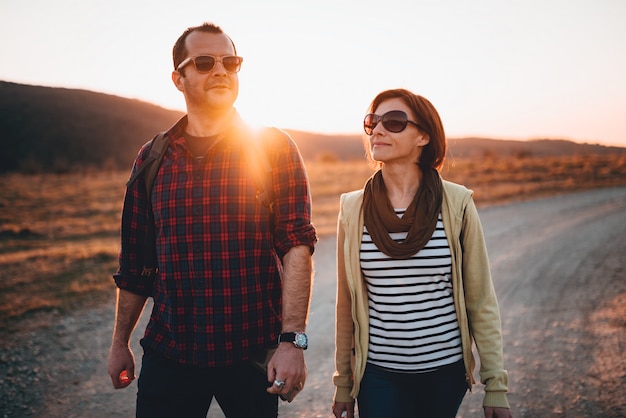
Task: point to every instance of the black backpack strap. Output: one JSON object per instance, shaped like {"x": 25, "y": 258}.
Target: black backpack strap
{"x": 149, "y": 167}
{"x": 158, "y": 146}
{"x": 157, "y": 152}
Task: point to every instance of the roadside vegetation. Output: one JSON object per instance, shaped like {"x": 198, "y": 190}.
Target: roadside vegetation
{"x": 59, "y": 233}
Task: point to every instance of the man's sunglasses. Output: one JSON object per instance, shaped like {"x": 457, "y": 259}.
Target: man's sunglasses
{"x": 206, "y": 63}
{"x": 393, "y": 121}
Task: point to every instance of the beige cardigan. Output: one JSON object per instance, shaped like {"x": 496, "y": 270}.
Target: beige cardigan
{"x": 474, "y": 296}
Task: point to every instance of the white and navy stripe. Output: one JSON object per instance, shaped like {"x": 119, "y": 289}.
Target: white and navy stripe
{"x": 413, "y": 324}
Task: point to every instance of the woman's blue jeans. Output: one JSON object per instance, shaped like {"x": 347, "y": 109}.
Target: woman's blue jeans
{"x": 388, "y": 394}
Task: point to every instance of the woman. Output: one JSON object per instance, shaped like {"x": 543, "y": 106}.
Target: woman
{"x": 414, "y": 286}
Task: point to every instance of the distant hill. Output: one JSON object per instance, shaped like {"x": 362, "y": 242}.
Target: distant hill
{"x": 484, "y": 147}
{"x": 46, "y": 129}
{"x": 57, "y": 129}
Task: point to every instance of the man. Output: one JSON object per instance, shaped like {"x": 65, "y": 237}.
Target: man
{"x": 234, "y": 276}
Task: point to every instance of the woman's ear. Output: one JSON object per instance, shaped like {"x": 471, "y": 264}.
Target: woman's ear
{"x": 423, "y": 140}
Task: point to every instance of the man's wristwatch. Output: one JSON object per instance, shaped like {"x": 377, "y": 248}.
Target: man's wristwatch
{"x": 299, "y": 339}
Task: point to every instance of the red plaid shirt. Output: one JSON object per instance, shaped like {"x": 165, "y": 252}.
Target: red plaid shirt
{"x": 217, "y": 294}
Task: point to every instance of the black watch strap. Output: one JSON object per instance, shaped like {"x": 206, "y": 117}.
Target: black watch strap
{"x": 298, "y": 339}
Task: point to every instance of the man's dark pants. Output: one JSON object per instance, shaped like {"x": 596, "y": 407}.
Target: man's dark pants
{"x": 168, "y": 390}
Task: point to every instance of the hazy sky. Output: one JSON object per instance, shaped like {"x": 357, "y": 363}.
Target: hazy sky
{"x": 494, "y": 68}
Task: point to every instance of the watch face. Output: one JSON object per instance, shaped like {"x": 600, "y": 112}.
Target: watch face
{"x": 302, "y": 340}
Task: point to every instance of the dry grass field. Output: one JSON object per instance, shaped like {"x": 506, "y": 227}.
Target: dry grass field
{"x": 59, "y": 233}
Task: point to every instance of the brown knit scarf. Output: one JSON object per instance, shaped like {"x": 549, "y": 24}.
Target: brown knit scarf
{"x": 419, "y": 220}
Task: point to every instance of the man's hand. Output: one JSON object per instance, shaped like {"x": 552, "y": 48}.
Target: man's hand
{"x": 497, "y": 412}
{"x": 286, "y": 365}
{"x": 121, "y": 366}
{"x": 121, "y": 358}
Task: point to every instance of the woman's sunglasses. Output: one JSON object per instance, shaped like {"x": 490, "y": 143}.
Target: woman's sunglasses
{"x": 206, "y": 63}
{"x": 393, "y": 121}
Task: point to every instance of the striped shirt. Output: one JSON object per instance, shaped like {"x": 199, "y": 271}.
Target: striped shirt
{"x": 413, "y": 323}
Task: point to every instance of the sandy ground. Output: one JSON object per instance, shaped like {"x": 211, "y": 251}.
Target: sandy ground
{"x": 559, "y": 271}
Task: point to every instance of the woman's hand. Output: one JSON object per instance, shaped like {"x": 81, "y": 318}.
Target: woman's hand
{"x": 343, "y": 409}
{"x": 491, "y": 412}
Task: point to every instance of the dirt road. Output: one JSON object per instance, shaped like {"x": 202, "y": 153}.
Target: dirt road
{"x": 559, "y": 270}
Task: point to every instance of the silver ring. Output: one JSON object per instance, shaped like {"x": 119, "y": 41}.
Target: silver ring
{"x": 279, "y": 383}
